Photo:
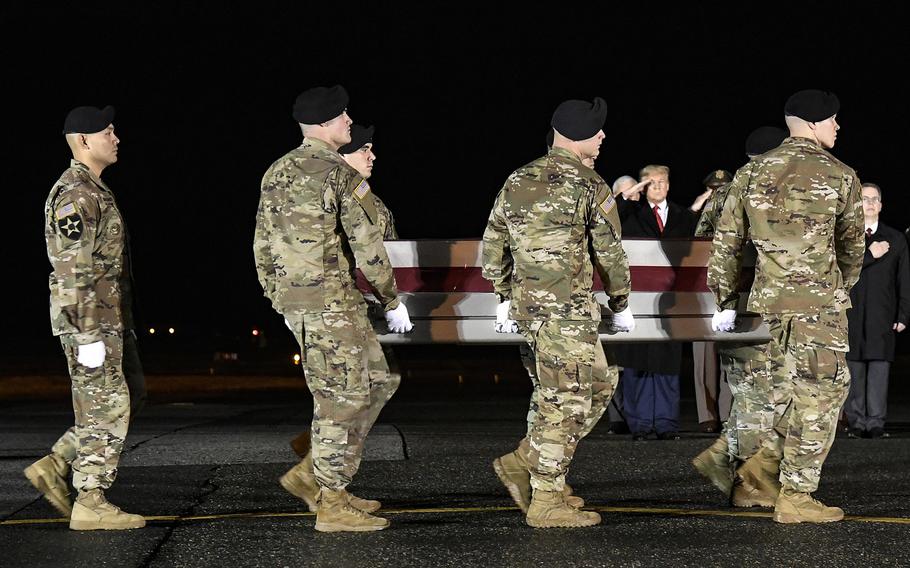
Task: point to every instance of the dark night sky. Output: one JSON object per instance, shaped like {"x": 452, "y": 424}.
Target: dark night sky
{"x": 460, "y": 94}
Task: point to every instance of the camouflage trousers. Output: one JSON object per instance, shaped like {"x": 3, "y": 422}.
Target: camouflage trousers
{"x": 573, "y": 384}
{"x": 758, "y": 398}
{"x": 808, "y": 355}
{"x": 101, "y": 404}
{"x": 347, "y": 373}
{"x": 605, "y": 378}
{"x": 67, "y": 447}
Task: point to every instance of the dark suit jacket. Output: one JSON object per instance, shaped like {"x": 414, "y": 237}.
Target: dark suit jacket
{"x": 880, "y": 299}
{"x": 638, "y": 221}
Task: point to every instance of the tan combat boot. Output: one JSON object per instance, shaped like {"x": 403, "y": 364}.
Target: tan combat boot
{"x": 572, "y": 500}
{"x": 549, "y": 509}
{"x": 48, "y": 475}
{"x": 365, "y": 505}
{"x": 756, "y": 482}
{"x": 93, "y": 512}
{"x": 302, "y": 444}
{"x": 512, "y": 470}
{"x": 714, "y": 464}
{"x": 300, "y": 481}
{"x": 336, "y": 514}
{"x": 796, "y": 507}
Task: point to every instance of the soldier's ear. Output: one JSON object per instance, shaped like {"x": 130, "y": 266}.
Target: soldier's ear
{"x": 84, "y": 141}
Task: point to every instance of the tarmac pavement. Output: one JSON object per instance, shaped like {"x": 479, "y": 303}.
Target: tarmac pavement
{"x": 205, "y": 476}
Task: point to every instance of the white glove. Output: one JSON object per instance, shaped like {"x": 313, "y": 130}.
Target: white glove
{"x": 723, "y": 320}
{"x": 91, "y": 355}
{"x": 503, "y": 323}
{"x": 398, "y": 319}
{"x": 623, "y": 321}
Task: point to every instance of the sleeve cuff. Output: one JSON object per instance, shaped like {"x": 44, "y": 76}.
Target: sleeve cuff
{"x": 88, "y": 337}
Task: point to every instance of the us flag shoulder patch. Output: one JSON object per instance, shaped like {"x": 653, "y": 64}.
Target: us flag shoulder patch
{"x": 362, "y": 190}
{"x": 607, "y": 204}
{"x": 66, "y": 210}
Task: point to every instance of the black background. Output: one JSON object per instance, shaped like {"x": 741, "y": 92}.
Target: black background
{"x": 461, "y": 94}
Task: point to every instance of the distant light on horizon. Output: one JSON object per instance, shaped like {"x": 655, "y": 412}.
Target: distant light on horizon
{"x": 296, "y": 358}
{"x": 255, "y": 332}
{"x": 170, "y": 330}
{"x": 152, "y": 330}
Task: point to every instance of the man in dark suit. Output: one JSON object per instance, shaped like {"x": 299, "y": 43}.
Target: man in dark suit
{"x": 650, "y": 375}
{"x": 881, "y": 309}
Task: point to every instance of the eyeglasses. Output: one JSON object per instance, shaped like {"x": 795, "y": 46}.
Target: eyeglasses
{"x": 871, "y": 200}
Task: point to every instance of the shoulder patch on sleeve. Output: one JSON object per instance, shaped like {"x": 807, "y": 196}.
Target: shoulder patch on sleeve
{"x": 66, "y": 210}
{"x": 362, "y": 190}
{"x": 70, "y": 226}
{"x": 364, "y": 197}
{"x": 607, "y": 205}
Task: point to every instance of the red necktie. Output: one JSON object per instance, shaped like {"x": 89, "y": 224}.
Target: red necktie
{"x": 660, "y": 222}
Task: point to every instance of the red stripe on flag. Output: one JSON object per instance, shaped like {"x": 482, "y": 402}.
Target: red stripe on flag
{"x": 469, "y": 279}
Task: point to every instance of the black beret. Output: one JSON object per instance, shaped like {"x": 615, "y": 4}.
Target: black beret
{"x": 717, "y": 178}
{"x": 320, "y": 104}
{"x": 812, "y": 105}
{"x": 360, "y": 137}
{"x": 88, "y": 120}
{"x": 579, "y": 120}
{"x": 763, "y": 139}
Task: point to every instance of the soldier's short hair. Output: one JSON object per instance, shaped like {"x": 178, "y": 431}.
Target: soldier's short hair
{"x": 654, "y": 169}
{"x": 875, "y": 187}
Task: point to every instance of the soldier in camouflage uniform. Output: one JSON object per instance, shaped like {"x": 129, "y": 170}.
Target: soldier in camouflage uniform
{"x": 746, "y": 367}
{"x": 315, "y": 225}
{"x": 358, "y": 154}
{"x": 600, "y": 398}
{"x": 802, "y": 209}
{"x": 552, "y": 223}
{"x": 84, "y": 233}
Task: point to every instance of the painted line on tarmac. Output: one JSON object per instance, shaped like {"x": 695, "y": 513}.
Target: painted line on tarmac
{"x": 672, "y": 512}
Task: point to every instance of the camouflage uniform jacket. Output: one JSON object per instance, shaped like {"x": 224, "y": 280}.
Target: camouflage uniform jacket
{"x": 84, "y": 232}
{"x": 316, "y": 223}
{"x": 711, "y": 213}
{"x": 802, "y": 209}
{"x": 384, "y": 219}
{"x": 552, "y": 220}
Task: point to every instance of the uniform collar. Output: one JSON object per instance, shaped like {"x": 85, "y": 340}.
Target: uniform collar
{"x": 318, "y": 144}
{"x": 76, "y": 164}
{"x": 563, "y": 153}
{"x": 799, "y": 140}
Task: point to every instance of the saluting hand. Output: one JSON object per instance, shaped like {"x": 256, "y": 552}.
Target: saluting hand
{"x": 700, "y": 200}
{"x": 634, "y": 192}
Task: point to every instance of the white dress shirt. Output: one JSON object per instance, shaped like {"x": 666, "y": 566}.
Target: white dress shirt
{"x": 661, "y": 210}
